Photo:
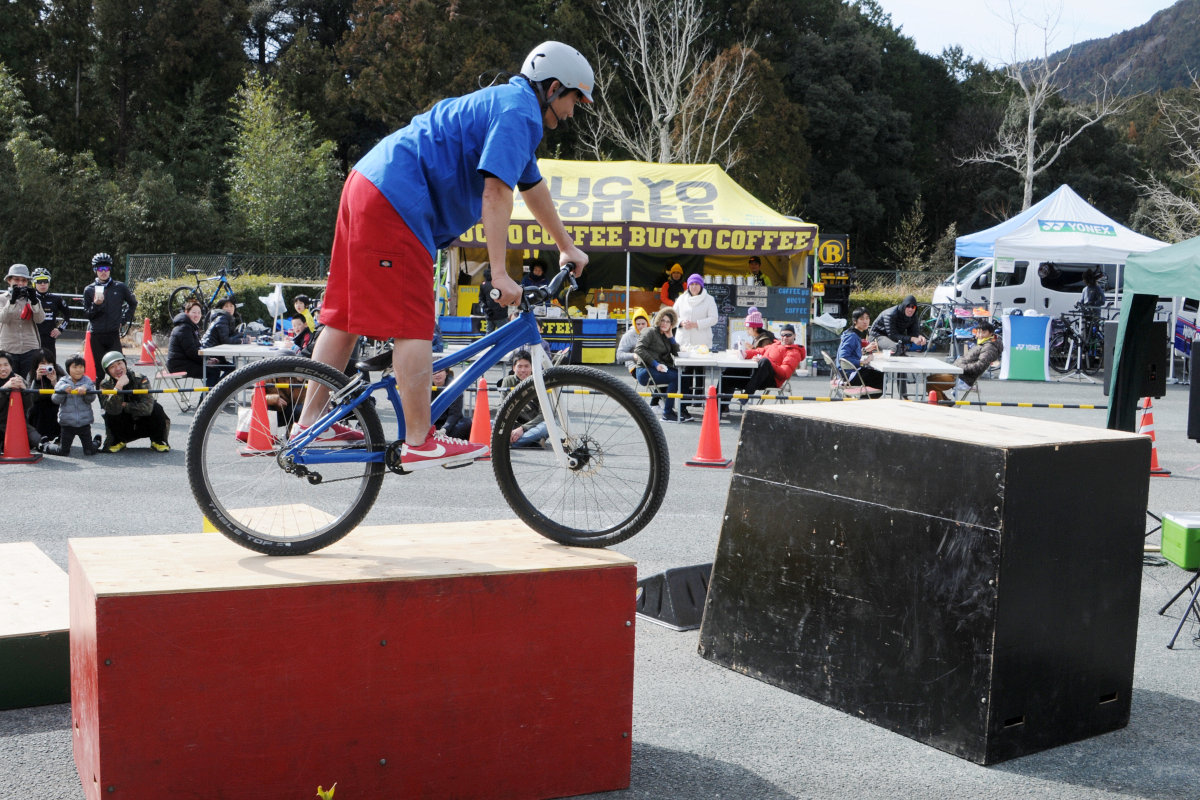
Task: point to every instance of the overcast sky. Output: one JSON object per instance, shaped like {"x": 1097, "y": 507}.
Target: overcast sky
{"x": 982, "y": 28}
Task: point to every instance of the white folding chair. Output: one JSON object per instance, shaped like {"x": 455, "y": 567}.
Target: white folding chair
{"x": 172, "y": 382}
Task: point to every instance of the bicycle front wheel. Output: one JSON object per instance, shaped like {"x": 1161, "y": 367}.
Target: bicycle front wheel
{"x": 1061, "y": 352}
{"x": 618, "y": 466}
{"x": 247, "y": 484}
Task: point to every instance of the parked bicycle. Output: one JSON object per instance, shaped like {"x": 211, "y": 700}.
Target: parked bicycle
{"x": 599, "y": 479}
{"x": 183, "y": 294}
{"x": 1077, "y": 342}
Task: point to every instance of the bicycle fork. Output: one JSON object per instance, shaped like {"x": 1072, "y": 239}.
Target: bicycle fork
{"x": 551, "y": 419}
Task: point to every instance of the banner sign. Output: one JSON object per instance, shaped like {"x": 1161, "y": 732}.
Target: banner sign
{"x": 1064, "y": 226}
{"x": 1026, "y": 348}
{"x": 688, "y": 209}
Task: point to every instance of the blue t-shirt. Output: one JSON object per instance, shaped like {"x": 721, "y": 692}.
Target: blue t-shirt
{"x": 430, "y": 170}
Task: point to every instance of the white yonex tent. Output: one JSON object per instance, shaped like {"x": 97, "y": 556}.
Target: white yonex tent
{"x": 1062, "y": 227}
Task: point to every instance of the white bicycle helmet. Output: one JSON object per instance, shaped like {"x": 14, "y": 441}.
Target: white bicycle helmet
{"x": 562, "y": 63}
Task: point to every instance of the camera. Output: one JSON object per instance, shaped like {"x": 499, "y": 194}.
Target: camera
{"x": 16, "y": 293}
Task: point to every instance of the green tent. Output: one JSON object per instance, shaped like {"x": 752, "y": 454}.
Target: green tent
{"x": 1170, "y": 272}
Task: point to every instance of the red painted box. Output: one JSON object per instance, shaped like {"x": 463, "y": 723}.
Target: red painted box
{"x": 459, "y": 660}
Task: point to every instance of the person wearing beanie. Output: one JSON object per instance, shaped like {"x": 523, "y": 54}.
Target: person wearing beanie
{"x": 673, "y": 287}
{"x": 759, "y": 335}
{"x": 697, "y": 314}
{"x": 985, "y": 352}
{"x": 628, "y": 343}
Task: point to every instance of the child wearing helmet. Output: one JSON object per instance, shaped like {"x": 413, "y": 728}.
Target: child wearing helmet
{"x": 418, "y": 190}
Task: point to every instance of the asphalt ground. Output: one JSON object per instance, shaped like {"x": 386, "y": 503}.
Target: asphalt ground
{"x": 700, "y": 731}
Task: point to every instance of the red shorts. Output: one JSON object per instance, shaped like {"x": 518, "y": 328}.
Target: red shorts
{"x": 380, "y": 275}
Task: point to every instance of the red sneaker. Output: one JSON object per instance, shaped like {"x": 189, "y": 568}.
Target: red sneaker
{"x": 334, "y": 433}
{"x": 440, "y": 450}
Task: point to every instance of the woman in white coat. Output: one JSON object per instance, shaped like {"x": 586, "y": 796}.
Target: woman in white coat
{"x": 697, "y": 314}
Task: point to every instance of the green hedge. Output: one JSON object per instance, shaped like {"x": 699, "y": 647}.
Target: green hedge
{"x": 879, "y": 300}
{"x": 152, "y": 297}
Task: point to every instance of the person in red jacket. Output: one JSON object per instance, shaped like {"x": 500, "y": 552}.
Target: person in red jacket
{"x": 673, "y": 287}
{"x": 777, "y": 362}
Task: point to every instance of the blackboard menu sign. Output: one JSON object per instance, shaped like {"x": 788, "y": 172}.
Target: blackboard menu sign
{"x": 723, "y": 294}
{"x": 789, "y": 303}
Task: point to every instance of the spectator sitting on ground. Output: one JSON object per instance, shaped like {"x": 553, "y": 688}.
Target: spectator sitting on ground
{"x": 183, "y": 348}
{"x": 20, "y": 315}
{"x": 129, "y": 417}
{"x": 859, "y": 354}
{"x": 10, "y": 382}
{"x": 73, "y": 394}
{"x": 657, "y": 350}
{"x": 452, "y": 421}
{"x": 40, "y": 409}
{"x": 532, "y": 430}
{"x": 776, "y": 363}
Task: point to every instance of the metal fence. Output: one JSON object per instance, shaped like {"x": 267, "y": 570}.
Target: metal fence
{"x": 868, "y": 279}
{"x": 144, "y": 267}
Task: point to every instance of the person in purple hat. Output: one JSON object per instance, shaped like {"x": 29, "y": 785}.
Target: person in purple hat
{"x": 697, "y": 314}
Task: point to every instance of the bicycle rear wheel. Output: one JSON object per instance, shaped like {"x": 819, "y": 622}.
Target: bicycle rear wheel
{"x": 180, "y": 297}
{"x": 619, "y": 466}
{"x": 1061, "y": 352}
{"x": 249, "y": 488}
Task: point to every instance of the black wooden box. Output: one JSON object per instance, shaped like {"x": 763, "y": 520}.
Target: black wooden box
{"x": 968, "y": 580}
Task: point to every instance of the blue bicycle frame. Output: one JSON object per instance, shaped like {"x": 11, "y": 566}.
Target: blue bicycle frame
{"x": 522, "y": 330}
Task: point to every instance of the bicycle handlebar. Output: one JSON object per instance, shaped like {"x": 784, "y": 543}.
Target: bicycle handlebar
{"x": 540, "y": 294}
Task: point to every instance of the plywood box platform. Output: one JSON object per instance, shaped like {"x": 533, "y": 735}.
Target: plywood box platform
{"x": 33, "y": 628}
{"x": 450, "y": 660}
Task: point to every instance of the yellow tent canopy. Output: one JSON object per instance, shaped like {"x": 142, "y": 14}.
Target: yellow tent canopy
{"x": 634, "y": 206}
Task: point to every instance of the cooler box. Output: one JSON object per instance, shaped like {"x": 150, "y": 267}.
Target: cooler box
{"x": 1181, "y": 538}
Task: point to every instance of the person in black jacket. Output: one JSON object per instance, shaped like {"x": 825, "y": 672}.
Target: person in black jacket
{"x": 898, "y": 328}
{"x": 456, "y": 424}
{"x": 106, "y": 303}
{"x": 221, "y": 329}
{"x": 57, "y": 312}
{"x": 183, "y": 348}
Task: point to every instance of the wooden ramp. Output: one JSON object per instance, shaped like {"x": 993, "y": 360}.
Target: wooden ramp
{"x": 34, "y": 660}
{"x": 447, "y": 660}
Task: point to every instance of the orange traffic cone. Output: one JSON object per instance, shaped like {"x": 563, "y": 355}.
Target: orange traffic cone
{"x": 89, "y": 363}
{"x": 708, "y": 453}
{"x": 481, "y": 422}
{"x": 260, "y": 438}
{"x": 147, "y": 359}
{"x": 1146, "y": 426}
{"x": 16, "y": 437}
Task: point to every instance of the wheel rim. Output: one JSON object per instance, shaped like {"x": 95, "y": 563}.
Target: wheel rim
{"x": 616, "y": 467}
{"x": 247, "y": 482}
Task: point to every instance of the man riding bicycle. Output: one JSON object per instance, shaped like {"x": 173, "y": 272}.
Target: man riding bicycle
{"x": 416, "y": 191}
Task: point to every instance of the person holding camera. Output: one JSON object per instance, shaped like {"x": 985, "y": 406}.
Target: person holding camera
{"x": 20, "y": 314}
{"x": 74, "y": 394}
{"x": 11, "y": 382}
{"x": 58, "y": 314}
{"x": 102, "y": 305}
{"x": 40, "y": 409}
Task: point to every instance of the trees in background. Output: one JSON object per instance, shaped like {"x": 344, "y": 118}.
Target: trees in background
{"x": 220, "y": 125}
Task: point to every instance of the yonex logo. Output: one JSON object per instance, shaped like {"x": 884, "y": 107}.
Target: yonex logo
{"x": 1065, "y": 226}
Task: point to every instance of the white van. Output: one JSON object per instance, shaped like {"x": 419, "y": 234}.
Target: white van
{"x": 1049, "y": 288}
